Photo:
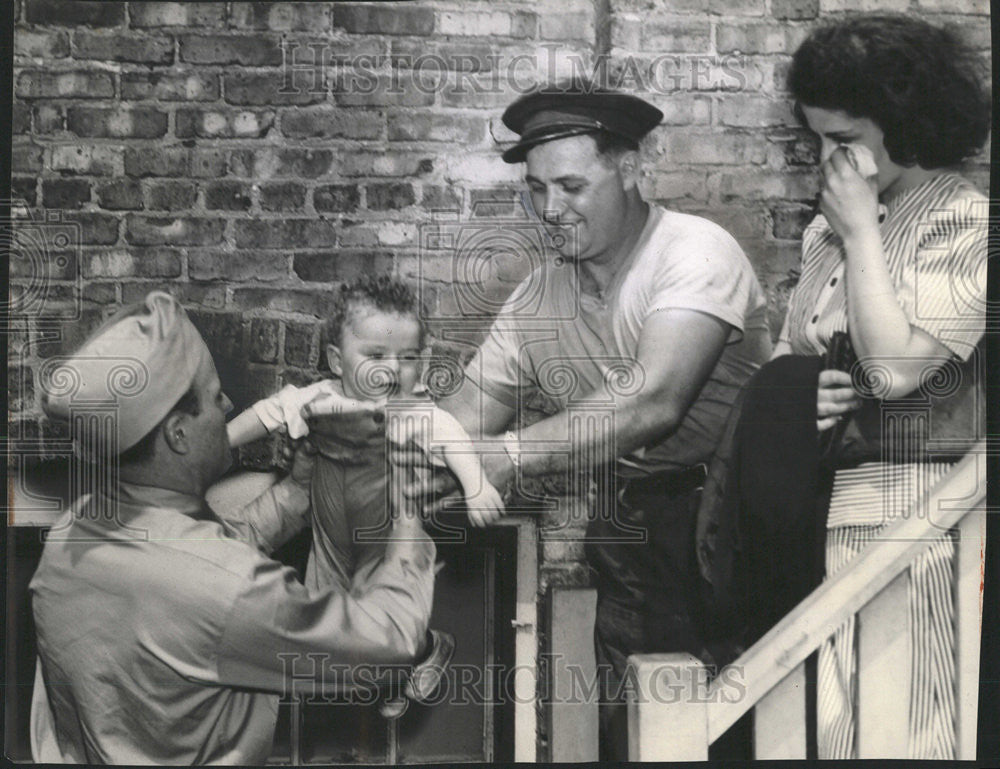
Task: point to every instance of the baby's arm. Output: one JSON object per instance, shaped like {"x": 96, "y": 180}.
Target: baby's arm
{"x": 483, "y": 501}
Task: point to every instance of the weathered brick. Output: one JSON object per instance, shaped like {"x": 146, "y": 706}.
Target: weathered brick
{"x": 179, "y": 231}
{"x": 759, "y": 38}
{"x": 384, "y": 19}
{"x": 736, "y": 7}
{"x": 759, "y": 184}
{"x": 974, "y": 7}
{"x": 336, "y": 197}
{"x": 282, "y": 300}
{"x": 26, "y": 158}
{"x": 20, "y": 119}
{"x": 48, "y": 44}
{"x": 249, "y": 50}
{"x": 713, "y": 148}
{"x": 101, "y": 160}
{"x": 389, "y": 196}
{"x": 281, "y": 17}
{"x": 133, "y": 263}
{"x": 223, "y": 335}
{"x": 139, "y": 123}
{"x": 120, "y": 195}
{"x": 55, "y": 264}
{"x": 789, "y": 221}
{"x": 355, "y": 234}
{"x": 20, "y": 388}
{"x": 299, "y": 343}
{"x": 332, "y": 123}
{"x": 741, "y": 111}
{"x": 294, "y": 162}
{"x": 836, "y": 6}
{"x": 163, "y": 86}
{"x": 227, "y": 196}
{"x": 65, "y": 193}
{"x": 80, "y": 84}
{"x": 395, "y": 233}
{"x": 386, "y": 164}
{"x": 172, "y": 196}
{"x": 683, "y": 109}
{"x": 437, "y": 56}
{"x": 133, "y": 48}
{"x": 263, "y": 340}
{"x": 75, "y": 13}
{"x": 795, "y": 10}
{"x": 189, "y": 294}
{"x": 49, "y": 118}
{"x": 575, "y": 25}
{"x": 486, "y": 23}
{"x": 177, "y": 14}
{"x": 436, "y": 197}
{"x": 282, "y": 196}
{"x": 239, "y": 266}
{"x": 267, "y": 89}
{"x": 95, "y": 229}
{"x": 399, "y": 89}
{"x": 69, "y": 336}
{"x": 676, "y": 37}
{"x": 100, "y": 293}
{"x": 23, "y": 188}
{"x": 285, "y": 233}
{"x": 175, "y": 161}
{"x": 459, "y": 129}
{"x": 468, "y": 167}
{"x": 216, "y": 124}
{"x": 340, "y": 266}
{"x": 798, "y": 147}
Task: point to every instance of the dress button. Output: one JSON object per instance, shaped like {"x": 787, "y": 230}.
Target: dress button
{"x": 814, "y": 318}
{"x": 833, "y": 281}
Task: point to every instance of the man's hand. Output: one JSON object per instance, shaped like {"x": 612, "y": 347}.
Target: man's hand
{"x": 303, "y": 461}
{"x": 834, "y": 398}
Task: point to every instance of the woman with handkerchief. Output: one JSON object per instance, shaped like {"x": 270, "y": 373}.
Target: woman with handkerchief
{"x": 896, "y": 260}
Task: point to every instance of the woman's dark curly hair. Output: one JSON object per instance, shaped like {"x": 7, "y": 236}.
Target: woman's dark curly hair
{"x": 919, "y": 83}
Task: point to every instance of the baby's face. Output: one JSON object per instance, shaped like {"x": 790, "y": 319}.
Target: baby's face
{"x": 379, "y": 354}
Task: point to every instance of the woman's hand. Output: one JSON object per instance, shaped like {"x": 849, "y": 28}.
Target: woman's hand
{"x": 848, "y": 200}
{"x": 486, "y": 506}
{"x": 835, "y": 398}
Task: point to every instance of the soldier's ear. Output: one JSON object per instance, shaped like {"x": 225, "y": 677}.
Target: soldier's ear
{"x": 628, "y": 165}
{"x": 174, "y": 430}
{"x": 333, "y": 359}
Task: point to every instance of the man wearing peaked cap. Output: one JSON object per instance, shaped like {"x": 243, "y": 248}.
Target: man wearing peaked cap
{"x": 164, "y": 632}
{"x": 664, "y": 299}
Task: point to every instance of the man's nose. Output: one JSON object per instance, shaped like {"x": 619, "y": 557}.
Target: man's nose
{"x": 553, "y": 210}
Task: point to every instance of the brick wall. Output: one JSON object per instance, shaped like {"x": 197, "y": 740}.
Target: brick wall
{"x": 247, "y": 156}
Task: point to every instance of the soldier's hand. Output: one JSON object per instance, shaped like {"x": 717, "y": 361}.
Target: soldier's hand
{"x": 303, "y": 461}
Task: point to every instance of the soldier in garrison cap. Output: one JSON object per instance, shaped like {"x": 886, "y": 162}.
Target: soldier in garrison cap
{"x": 661, "y": 319}
{"x": 165, "y": 633}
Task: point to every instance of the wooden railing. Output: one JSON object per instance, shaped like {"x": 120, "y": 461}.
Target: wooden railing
{"x": 675, "y": 713}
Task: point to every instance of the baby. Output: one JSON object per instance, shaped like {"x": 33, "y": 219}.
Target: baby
{"x": 373, "y": 344}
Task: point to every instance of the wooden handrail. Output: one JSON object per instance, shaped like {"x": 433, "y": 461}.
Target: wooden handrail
{"x": 816, "y": 618}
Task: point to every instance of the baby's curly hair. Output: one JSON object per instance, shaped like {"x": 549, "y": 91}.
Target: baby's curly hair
{"x": 380, "y": 292}
{"x": 919, "y": 83}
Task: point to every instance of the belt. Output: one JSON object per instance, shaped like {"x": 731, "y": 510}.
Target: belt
{"x": 669, "y": 483}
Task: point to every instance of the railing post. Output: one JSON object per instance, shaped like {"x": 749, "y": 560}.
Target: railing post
{"x": 667, "y": 708}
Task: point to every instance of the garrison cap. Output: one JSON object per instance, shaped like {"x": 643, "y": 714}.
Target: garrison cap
{"x": 573, "y": 109}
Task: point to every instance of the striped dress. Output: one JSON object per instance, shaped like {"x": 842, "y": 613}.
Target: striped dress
{"x": 934, "y": 237}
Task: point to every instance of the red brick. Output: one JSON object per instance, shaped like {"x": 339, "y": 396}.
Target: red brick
{"x": 95, "y": 229}
{"x": 65, "y": 193}
{"x": 49, "y": 118}
{"x": 100, "y": 293}
{"x": 218, "y": 124}
{"x": 393, "y": 19}
{"x": 179, "y": 231}
{"x": 713, "y": 148}
{"x": 754, "y": 112}
{"x": 798, "y": 147}
{"x": 267, "y": 88}
{"x": 80, "y": 84}
{"x": 227, "y": 196}
{"x": 759, "y": 38}
{"x": 385, "y": 164}
{"x": 172, "y": 196}
{"x": 789, "y": 221}
{"x": 249, "y": 50}
{"x": 675, "y": 37}
{"x": 336, "y": 197}
{"x": 574, "y": 25}
{"x": 49, "y": 44}
{"x": 736, "y": 7}
{"x": 26, "y": 158}
{"x": 20, "y": 119}
{"x": 75, "y": 13}
{"x": 285, "y": 233}
{"x": 399, "y": 89}
{"x": 177, "y": 14}
{"x": 299, "y": 163}
{"x": 133, "y": 48}
{"x": 23, "y": 188}
{"x": 163, "y": 86}
{"x": 238, "y": 266}
{"x": 389, "y": 196}
{"x": 795, "y": 10}
{"x": 436, "y": 197}
{"x": 488, "y": 202}
{"x": 20, "y": 388}
{"x": 175, "y": 161}
{"x": 436, "y": 56}
{"x": 189, "y": 294}
{"x": 975, "y": 7}
{"x": 132, "y": 263}
{"x": 263, "y": 346}
{"x": 139, "y": 123}
{"x": 671, "y": 185}
{"x": 354, "y": 234}
{"x": 758, "y": 184}
{"x": 120, "y": 195}
{"x": 332, "y": 123}
{"x": 457, "y": 129}
{"x": 299, "y": 344}
{"x": 487, "y": 23}
{"x": 101, "y": 160}
{"x": 285, "y": 16}
{"x": 282, "y": 196}
{"x": 340, "y": 266}
{"x": 283, "y": 300}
